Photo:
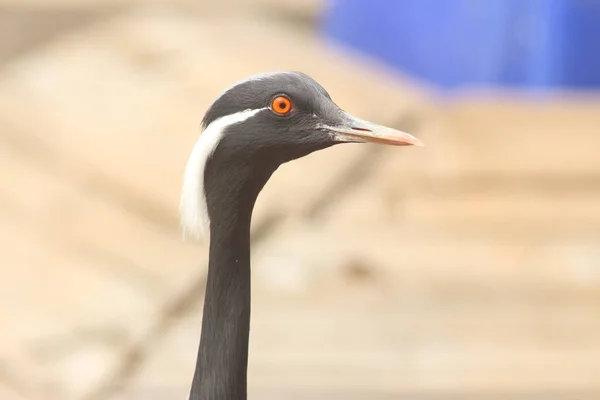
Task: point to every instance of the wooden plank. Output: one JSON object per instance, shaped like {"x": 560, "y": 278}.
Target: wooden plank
{"x": 561, "y": 211}
{"x": 301, "y": 260}
{"x": 310, "y": 7}
{"x": 331, "y": 344}
{"x": 62, "y": 311}
{"x": 67, "y": 258}
{"x": 555, "y": 206}
{"x": 523, "y": 138}
{"x": 82, "y": 220}
{"x": 270, "y": 393}
{"x": 7, "y": 393}
{"x": 405, "y": 348}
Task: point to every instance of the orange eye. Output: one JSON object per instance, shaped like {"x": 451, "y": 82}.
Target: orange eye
{"x": 281, "y": 105}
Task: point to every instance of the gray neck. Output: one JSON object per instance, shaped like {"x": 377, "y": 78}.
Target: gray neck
{"x": 223, "y": 354}
{"x": 221, "y": 367}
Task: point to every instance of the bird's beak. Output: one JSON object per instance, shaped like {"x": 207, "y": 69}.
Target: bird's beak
{"x": 353, "y": 129}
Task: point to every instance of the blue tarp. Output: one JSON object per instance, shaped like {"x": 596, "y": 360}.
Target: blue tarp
{"x": 457, "y": 43}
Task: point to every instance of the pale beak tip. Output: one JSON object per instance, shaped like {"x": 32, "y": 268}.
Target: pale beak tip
{"x": 411, "y": 140}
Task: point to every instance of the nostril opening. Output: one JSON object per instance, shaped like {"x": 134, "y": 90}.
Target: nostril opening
{"x": 361, "y": 129}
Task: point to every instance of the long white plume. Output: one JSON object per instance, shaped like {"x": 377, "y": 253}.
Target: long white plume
{"x": 192, "y": 207}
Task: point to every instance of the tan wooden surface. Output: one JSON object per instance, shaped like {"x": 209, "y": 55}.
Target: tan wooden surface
{"x": 466, "y": 269}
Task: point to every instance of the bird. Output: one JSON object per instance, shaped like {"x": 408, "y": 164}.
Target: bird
{"x": 253, "y": 127}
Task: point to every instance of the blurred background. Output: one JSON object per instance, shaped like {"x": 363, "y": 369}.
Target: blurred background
{"x": 467, "y": 269}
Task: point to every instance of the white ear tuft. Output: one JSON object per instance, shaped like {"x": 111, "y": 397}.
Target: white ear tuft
{"x": 192, "y": 207}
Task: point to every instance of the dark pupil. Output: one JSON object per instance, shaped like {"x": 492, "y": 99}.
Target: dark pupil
{"x": 282, "y": 105}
